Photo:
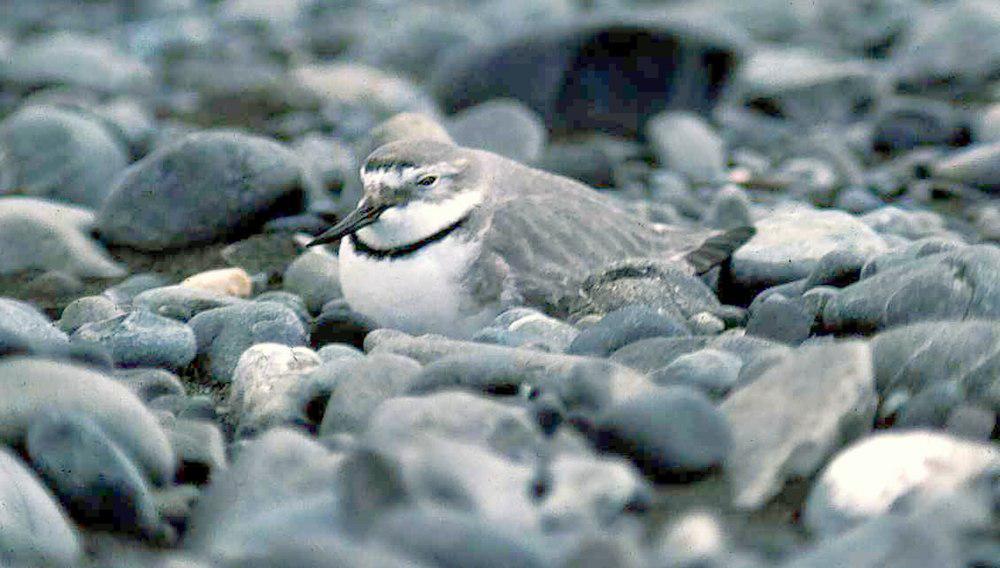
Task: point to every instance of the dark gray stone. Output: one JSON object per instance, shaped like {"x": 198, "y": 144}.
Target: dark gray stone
{"x": 96, "y": 481}
{"x": 711, "y": 371}
{"x": 289, "y": 300}
{"x": 669, "y": 435}
{"x": 36, "y": 530}
{"x": 142, "y": 339}
{"x": 205, "y": 187}
{"x": 223, "y": 334}
{"x": 59, "y": 154}
{"x": 909, "y": 123}
{"x": 624, "y": 326}
{"x": 957, "y": 285}
{"x": 29, "y": 387}
{"x": 505, "y": 126}
{"x": 790, "y": 419}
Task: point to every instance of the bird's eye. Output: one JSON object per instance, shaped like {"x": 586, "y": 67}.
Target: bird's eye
{"x": 427, "y": 181}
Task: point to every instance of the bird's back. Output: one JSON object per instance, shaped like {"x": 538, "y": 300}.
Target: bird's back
{"x": 545, "y": 233}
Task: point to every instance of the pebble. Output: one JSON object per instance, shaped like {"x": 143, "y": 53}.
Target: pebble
{"x": 280, "y": 468}
{"x": 219, "y": 182}
{"x": 957, "y": 285}
{"x": 142, "y": 339}
{"x": 647, "y": 355}
{"x": 729, "y": 209}
{"x": 289, "y": 300}
{"x": 788, "y": 421}
{"x": 915, "y": 357}
{"x": 582, "y": 383}
{"x": 978, "y": 165}
{"x": 624, "y": 326}
{"x": 505, "y": 429}
{"x": 361, "y": 385}
{"x": 526, "y": 327}
{"x": 315, "y": 277}
{"x": 36, "y": 530}
{"x": 181, "y": 302}
{"x": 22, "y": 323}
{"x": 27, "y": 221}
{"x": 335, "y": 351}
{"x": 788, "y": 246}
{"x": 670, "y": 435}
{"x": 781, "y": 319}
{"x": 684, "y": 143}
{"x": 268, "y": 387}
{"x": 228, "y": 281}
{"x": 32, "y": 386}
{"x": 59, "y": 154}
{"x": 74, "y": 60}
{"x": 199, "y": 448}
{"x": 907, "y": 124}
{"x": 502, "y": 126}
{"x": 99, "y": 485}
{"x": 452, "y": 539}
{"x": 86, "y": 310}
{"x": 338, "y": 323}
{"x": 223, "y": 334}
{"x": 711, "y": 371}
{"x": 149, "y": 384}
{"x": 865, "y": 479}
{"x": 125, "y": 291}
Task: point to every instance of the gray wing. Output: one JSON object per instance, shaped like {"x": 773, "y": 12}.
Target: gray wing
{"x": 546, "y": 233}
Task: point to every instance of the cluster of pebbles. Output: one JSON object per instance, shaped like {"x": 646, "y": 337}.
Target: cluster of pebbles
{"x": 183, "y": 385}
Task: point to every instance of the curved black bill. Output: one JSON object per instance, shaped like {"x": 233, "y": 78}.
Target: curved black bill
{"x": 361, "y": 217}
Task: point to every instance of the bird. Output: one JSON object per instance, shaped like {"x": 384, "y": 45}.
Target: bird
{"x": 446, "y": 237}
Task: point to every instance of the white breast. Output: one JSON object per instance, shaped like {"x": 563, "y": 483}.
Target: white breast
{"x": 419, "y": 293}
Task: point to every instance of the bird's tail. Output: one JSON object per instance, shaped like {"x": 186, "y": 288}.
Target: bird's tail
{"x": 719, "y": 248}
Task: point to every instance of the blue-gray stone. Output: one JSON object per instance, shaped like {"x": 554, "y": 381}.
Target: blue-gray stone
{"x": 711, "y": 371}
{"x": 624, "y": 326}
{"x": 223, "y": 334}
{"x": 142, "y": 339}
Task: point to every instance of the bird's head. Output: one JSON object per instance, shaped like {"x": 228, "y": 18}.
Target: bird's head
{"x": 412, "y": 189}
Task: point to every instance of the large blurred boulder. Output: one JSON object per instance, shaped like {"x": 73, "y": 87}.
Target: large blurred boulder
{"x": 607, "y": 74}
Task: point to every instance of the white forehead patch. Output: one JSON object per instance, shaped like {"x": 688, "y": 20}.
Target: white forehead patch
{"x": 390, "y": 177}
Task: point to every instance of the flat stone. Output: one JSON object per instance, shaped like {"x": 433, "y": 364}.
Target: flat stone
{"x": 26, "y": 221}
{"x": 787, "y": 422}
{"x": 36, "y": 530}
{"x": 219, "y": 182}
{"x": 865, "y": 479}
{"x": 710, "y": 371}
{"x": 624, "y": 326}
{"x": 29, "y": 387}
{"x": 223, "y": 334}
{"x": 788, "y": 246}
{"x": 956, "y": 285}
{"x": 526, "y": 327}
{"x": 142, "y": 339}
{"x": 780, "y": 319}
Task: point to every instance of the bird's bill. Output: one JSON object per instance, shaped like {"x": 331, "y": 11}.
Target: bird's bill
{"x": 361, "y": 217}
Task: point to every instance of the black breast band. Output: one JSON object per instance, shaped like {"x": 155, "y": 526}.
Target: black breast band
{"x": 405, "y": 250}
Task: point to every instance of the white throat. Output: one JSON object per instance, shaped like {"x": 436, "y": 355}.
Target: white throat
{"x": 401, "y": 226}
